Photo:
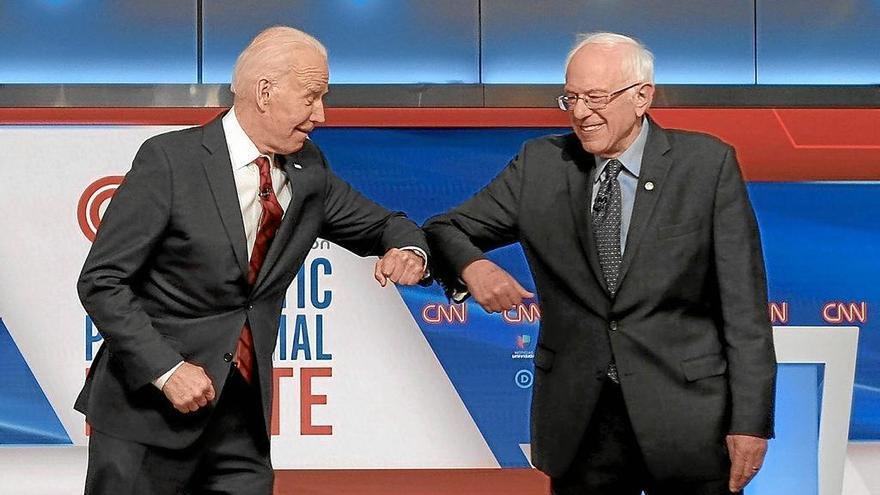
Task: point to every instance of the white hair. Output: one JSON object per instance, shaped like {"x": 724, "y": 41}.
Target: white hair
{"x": 269, "y": 55}
{"x": 641, "y": 64}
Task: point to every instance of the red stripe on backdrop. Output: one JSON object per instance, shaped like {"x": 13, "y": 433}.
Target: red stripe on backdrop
{"x": 446, "y": 117}
{"x": 791, "y": 144}
{"x": 108, "y": 116}
{"x": 412, "y": 482}
{"x": 772, "y": 144}
{"x": 336, "y": 117}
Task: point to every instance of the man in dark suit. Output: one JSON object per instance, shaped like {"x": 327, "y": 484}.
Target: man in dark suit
{"x": 188, "y": 272}
{"x": 655, "y": 367}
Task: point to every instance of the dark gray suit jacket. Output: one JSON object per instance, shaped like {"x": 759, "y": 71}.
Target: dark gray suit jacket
{"x": 165, "y": 279}
{"x": 688, "y": 329}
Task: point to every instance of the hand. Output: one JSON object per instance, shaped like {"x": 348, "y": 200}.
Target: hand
{"x": 401, "y": 266}
{"x": 493, "y": 288}
{"x": 746, "y": 457}
{"x": 189, "y": 388}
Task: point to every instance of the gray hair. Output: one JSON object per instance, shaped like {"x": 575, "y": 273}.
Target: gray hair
{"x": 269, "y": 56}
{"x": 641, "y": 63}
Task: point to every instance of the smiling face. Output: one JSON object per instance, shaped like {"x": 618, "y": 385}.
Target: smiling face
{"x": 604, "y": 68}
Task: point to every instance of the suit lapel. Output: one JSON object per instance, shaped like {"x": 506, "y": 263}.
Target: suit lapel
{"x": 655, "y": 165}
{"x": 218, "y": 169}
{"x": 285, "y": 230}
{"x": 580, "y": 189}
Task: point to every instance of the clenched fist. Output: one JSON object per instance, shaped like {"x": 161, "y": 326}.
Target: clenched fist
{"x": 189, "y": 388}
{"x": 401, "y": 266}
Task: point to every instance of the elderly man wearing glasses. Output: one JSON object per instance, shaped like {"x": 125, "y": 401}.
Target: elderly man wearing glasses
{"x": 655, "y": 367}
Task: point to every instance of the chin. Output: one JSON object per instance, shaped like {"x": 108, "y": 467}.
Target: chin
{"x": 591, "y": 145}
{"x": 292, "y": 148}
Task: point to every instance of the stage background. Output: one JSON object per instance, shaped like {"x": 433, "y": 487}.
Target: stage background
{"x": 458, "y": 85}
{"x": 386, "y": 379}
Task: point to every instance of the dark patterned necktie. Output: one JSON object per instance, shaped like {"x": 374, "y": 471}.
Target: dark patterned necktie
{"x": 269, "y": 222}
{"x": 606, "y": 225}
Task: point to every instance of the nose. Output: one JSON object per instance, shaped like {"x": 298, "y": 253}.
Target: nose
{"x": 580, "y": 110}
{"x": 318, "y": 112}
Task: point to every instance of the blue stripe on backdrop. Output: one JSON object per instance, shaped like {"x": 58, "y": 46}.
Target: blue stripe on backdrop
{"x": 26, "y": 417}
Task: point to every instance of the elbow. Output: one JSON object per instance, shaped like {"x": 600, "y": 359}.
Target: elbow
{"x": 433, "y": 225}
{"x": 85, "y": 288}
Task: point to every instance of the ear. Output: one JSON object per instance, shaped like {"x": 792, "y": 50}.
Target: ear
{"x": 643, "y": 98}
{"x": 263, "y": 90}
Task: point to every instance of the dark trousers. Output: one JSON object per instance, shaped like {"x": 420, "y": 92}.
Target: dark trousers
{"x": 609, "y": 461}
{"x": 232, "y": 456}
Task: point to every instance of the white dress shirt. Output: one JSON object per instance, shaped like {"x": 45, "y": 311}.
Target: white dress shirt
{"x": 242, "y": 153}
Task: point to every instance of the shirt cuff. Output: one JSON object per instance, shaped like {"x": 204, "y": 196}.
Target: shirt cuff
{"x": 160, "y": 382}
{"x": 459, "y": 296}
{"x": 419, "y": 251}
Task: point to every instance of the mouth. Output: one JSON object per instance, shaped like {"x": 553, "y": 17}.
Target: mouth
{"x": 588, "y": 128}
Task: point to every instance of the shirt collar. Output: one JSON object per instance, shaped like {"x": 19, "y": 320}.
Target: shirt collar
{"x": 631, "y": 158}
{"x": 242, "y": 151}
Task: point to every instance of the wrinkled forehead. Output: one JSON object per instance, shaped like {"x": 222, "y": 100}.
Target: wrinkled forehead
{"x": 599, "y": 67}
{"x": 310, "y": 68}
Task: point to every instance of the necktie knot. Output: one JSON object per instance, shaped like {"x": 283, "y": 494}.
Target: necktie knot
{"x": 263, "y": 164}
{"x": 614, "y": 167}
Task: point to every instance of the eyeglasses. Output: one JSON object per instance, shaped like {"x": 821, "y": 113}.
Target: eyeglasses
{"x": 596, "y": 100}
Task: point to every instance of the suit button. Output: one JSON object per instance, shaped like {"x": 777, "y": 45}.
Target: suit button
{"x": 612, "y": 325}
{"x": 250, "y": 307}
{"x": 227, "y": 357}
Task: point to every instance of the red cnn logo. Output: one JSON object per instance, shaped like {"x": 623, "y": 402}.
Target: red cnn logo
{"x": 442, "y": 313}
{"x": 522, "y": 313}
{"x": 93, "y": 202}
{"x": 839, "y": 312}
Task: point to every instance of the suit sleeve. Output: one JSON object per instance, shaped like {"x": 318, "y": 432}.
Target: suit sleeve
{"x": 746, "y": 329}
{"x": 488, "y": 220}
{"x": 131, "y": 228}
{"x": 361, "y": 225}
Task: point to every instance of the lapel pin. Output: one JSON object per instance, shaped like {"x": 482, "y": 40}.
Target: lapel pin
{"x": 649, "y": 186}
{"x": 297, "y": 166}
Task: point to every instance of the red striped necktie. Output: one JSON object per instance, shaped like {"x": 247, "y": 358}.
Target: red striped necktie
{"x": 269, "y": 222}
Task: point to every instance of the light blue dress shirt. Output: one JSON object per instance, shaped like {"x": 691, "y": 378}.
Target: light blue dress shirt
{"x": 628, "y": 178}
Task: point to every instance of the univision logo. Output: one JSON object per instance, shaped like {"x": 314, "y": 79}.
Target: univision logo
{"x": 523, "y": 347}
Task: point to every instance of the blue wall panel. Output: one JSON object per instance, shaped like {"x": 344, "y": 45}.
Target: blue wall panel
{"x": 397, "y": 41}
{"x": 369, "y": 41}
{"x": 694, "y": 41}
{"x": 98, "y": 41}
{"x": 818, "y": 42}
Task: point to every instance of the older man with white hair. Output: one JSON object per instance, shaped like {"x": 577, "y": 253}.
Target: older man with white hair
{"x": 654, "y": 367}
{"x": 187, "y": 275}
